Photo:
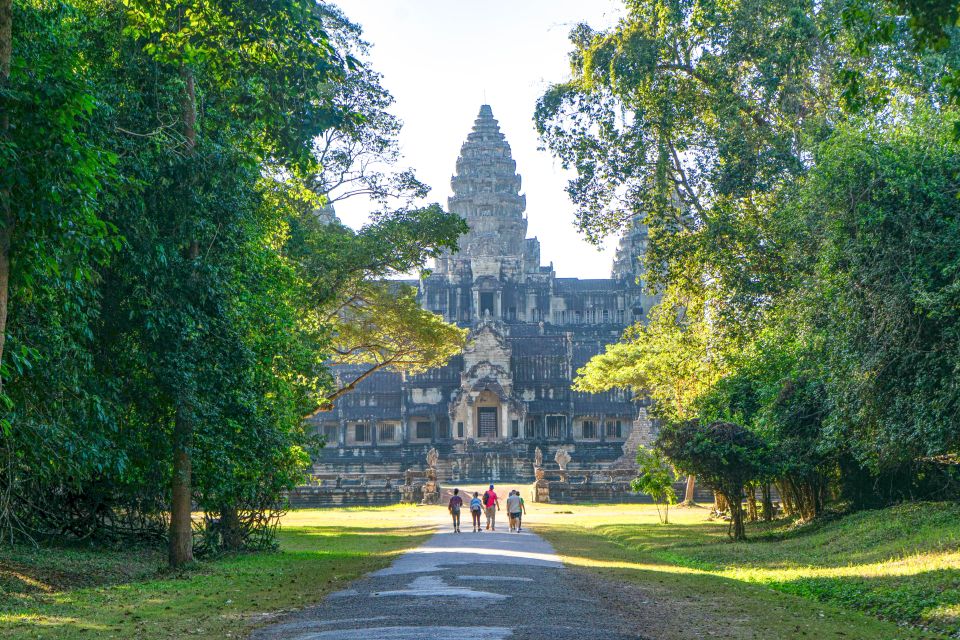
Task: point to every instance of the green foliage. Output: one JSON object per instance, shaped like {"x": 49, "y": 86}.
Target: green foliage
{"x": 669, "y": 359}
{"x": 655, "y": 479}
{"x": 74, "y": 592}
{"x": 795, "y": 169}
{"x": 173, "y": 290}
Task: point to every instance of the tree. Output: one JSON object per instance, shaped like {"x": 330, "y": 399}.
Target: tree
{"x": 877, "y": 244}
{"x": 726, "y": 455}
{"x": 655, "y": 478}
{"x": 670, "y": 359}
{"x": 270, "y": 61}
{"x": 384, "y": 327}
{"x": 360, "y": 158}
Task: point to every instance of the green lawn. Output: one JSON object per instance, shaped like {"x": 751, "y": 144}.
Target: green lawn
{"x": 899, "y": 565}
{"x": 70, "y": 593}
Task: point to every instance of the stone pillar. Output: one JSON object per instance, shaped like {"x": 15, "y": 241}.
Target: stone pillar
{"x": 343, "y": 433}
{"x": 404, "y": 422}
{"x": 373, "y": 432}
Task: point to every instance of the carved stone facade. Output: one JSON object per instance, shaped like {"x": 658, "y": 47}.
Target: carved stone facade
{"x": 489, "y": 409}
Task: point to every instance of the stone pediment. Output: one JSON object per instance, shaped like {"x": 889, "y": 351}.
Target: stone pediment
{"x": 486, "y": 344}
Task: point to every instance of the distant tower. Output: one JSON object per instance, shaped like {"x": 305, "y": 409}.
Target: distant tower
{"x": 486, "y": 193}
{"x": 629, "y": 268}
{"x": 628, "y": 260}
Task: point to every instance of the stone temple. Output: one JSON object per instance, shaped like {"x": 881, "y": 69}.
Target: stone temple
{"x": 488, "y": 410}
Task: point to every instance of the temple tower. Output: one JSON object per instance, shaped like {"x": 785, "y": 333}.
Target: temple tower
{"x": 486, "y": 193}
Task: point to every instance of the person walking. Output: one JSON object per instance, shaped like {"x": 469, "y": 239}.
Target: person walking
{"x": 522, "y": 512}
{"x": 456, "y": 502}
{"x": 514, "y": 510}
{"x": 491, "y": 503}
{"x": 476, "y": 507}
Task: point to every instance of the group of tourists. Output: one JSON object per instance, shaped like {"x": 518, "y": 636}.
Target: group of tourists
{"x": 488, "y": 504}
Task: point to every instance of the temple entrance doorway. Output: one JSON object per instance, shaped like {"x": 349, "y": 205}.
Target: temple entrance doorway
{"x": 487, "y": 423}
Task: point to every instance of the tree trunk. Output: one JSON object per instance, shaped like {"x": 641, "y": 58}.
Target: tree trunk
{"x": 767, "y": 502}
{"x": 181, "y": 505}
{"x": 736, "y": 515}
{"x": 786, "y": 503}
{"x": 752, "y": 503}
{"x": 719, "y": 502}
{"x": 688, "y": 494}
{"x": 230, "y": 528}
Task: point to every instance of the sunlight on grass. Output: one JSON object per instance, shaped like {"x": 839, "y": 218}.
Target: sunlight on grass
{"x": 900, "y": 564}
{"x": 320, "y": 551}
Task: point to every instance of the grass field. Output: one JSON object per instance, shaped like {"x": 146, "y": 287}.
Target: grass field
{"x": 900, "y": 564}
{"x": 72, "y": 593}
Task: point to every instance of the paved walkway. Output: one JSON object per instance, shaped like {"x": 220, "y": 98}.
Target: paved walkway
{"x": 468, "y": 586}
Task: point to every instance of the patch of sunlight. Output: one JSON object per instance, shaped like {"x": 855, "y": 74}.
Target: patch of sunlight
{"x": 633, "y": 566}
{"x": 943, "y": 613}
{"x": 27, "y": 580}
{"x": 899, "y": 567}
{"x": 38, "y": 620}
{"x": 481, "y": 551}
{"x": 908, "y": 566}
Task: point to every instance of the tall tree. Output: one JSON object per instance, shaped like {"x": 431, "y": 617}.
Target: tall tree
{"x": 270, "y": 59}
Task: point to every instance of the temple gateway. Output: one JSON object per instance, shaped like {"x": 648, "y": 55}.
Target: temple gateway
{"x": 489, "y": 409}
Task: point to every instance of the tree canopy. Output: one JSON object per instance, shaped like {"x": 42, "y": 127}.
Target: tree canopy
{"x": 793, "y": 164}
{"x": 176, "y": 289}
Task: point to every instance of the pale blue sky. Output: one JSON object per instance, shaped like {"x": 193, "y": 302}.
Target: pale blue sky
{"x": 440, "y": 57}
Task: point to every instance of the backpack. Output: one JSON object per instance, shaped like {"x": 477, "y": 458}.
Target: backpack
{"x": 486, "y": 498}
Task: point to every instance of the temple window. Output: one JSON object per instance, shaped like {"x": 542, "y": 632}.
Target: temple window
{"x": 330, "y": 433}
{"x": 614, "y": 429}
{"x": 588, "y": 430}
{"x": 361, "y": 432}
{"x": 556, "y": 425}
{"x": 424, "y": 430}
{"x": 387, "y": 433}
{"x": 515, "y": 428}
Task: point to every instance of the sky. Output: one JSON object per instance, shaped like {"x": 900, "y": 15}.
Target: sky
{"x": 442, "y": 59}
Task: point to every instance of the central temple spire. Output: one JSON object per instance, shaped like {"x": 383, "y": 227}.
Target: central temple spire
{"x": 486, "y": 192}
